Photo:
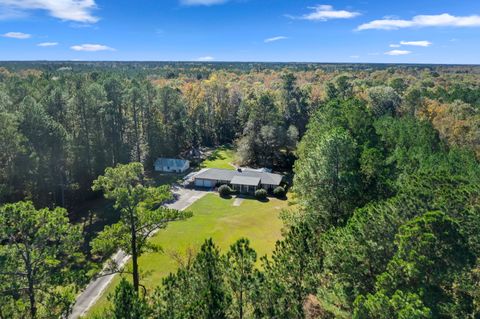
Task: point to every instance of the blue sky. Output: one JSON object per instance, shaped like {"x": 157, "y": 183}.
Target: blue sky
{"x": 421, "y": 31}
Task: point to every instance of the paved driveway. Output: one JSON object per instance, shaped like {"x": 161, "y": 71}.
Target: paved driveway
{"x": 185, "y": 197}
{"x": 87, "y": 298}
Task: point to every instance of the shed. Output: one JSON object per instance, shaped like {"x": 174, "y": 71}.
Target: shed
{"x": 173, "y": 165}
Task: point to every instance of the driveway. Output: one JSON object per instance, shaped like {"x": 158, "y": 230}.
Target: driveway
{"x": 185, "y": 197}
{"x": 87, "y": 298}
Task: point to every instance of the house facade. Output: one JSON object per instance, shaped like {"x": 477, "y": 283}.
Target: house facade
{"x": 243, "y": 181}
{"x": 245, "y": 184}
{"x": 171, "y": 165}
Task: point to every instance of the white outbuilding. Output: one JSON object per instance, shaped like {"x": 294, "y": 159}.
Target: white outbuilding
{"x": 171, "y": 165}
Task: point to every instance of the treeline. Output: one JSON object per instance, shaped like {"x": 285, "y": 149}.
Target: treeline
{"x": 204, "y": 69}
{"x": 387, "y": 226}
{"x": 59, "y": 134}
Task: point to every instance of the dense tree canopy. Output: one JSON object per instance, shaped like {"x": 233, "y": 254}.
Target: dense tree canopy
{"x": 385, "y": 220}
{"x": 38, "y": 254}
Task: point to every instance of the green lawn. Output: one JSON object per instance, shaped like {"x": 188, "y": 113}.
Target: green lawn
{"x": 216, "y": 218}
{"x": 159, "y": 178}
{"x": 222, "y": 157}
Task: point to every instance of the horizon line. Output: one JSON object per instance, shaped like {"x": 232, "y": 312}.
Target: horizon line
{"x": 239, "y": 62}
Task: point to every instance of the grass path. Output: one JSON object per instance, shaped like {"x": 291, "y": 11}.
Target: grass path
{"x": 216, "y": 218}
{"x": 222, "y": 157}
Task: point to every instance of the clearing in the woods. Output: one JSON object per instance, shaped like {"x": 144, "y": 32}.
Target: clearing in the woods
{"x": 213, "y": 217}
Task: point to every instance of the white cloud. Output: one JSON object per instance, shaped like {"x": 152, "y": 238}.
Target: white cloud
{"x": 355, "y": 56}
{"x": 47, "y": 44}
{"x": 91, "y": 47}
{"x": 206, "y": 58}
{"x": 440, "y": 20}
{"x": 417, "y": 43}
{"x": 69, "y": 10}
{"x": 275, "y": 39}
{"x": 394, "y": 45}
{"x": 17, "y": 35}
{"x": 326, "y": 12}
{"x": 398, "y": 52}
{"x": 201, "y": 2}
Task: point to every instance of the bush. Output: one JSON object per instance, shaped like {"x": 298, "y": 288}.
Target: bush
{"x": 279, "y": 192}
{"x": 261, "y": 194}
{"x": 224, "y": 191}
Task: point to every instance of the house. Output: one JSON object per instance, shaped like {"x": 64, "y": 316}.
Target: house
{"x": 242, "y": 180}
{"x": 172, "y": 165}
{"x": 245, "y": 184}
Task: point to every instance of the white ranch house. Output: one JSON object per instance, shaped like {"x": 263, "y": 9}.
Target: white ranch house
{"x": 242, "y": 180}
{"x": 171, "y": 165}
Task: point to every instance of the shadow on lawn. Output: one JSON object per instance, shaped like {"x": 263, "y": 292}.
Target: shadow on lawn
{"x": 216, "y": 154}
{"x": 245, "y": 196}
{"x": 219, "y": 154}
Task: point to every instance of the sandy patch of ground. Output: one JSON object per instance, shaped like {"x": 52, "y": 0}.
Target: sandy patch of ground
{"x": 238, "y": 201}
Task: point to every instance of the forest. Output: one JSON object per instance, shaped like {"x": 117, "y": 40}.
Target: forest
{"x": 384, "y": 220}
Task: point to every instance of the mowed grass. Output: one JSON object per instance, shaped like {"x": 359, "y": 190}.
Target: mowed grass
{"x": 212, "y": 217}
{"x": 222, "y": 158}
